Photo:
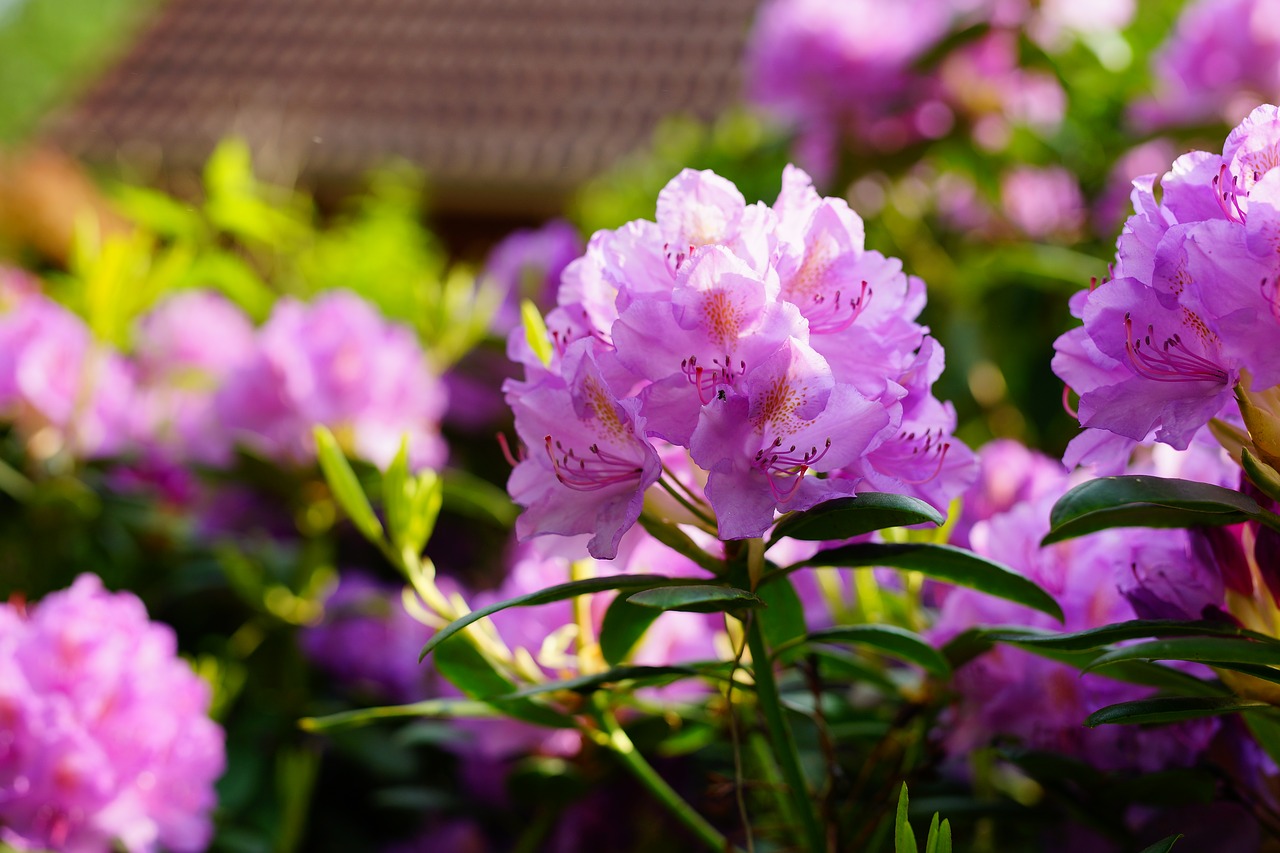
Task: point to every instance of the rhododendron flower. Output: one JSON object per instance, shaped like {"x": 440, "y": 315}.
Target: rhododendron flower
{"x": 768, "y": 347}
{"x": 186, "y": 348}
{"x": 527, "y": 264}
{"x": 1222, "y": 58}
{"x": 1193, "y": 307}
{"x": 61, "y": 388}
{"x": 335, "y": 362}
{"x": 104, "y": 738}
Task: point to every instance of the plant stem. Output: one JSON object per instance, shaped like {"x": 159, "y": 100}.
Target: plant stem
{"x": 647, "y": 776}
{"x": 784, "y": 743}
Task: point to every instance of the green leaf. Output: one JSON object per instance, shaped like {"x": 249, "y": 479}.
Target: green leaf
{"x": 941, "y": 562}
{"x": 469, "y": 495}
{"x": 1162, "y": 846}
{"x": 636, "y": 676}
{"x": 696, "y": 598}
{"x": 931, "y": 845}
{"x": 1265, "y": 729}
{"x": 680, "y": 542}
{"x": 782, "y": 619}
{"x": 944, "y": 837}
{"x": 443, "y": 709}
{"x": 545, "y": 596}
{"x": 896, "y": 641}
{"x": 845, "y": 518}
{"x": 1169, "y": 709}
{"x": 1096, "y": 638}
{"x": 1263, "y": 475}
{"x": 469, "y": 671}
{"x": 1222, "y": 651}
{"x": 396, "y": 495}
{"x": 346, "y": 487}
{"x": 904, "y": 840}
{"x": 623, "y": 625}
{"x": 1141, "y": 501}
{"x": 535, "y": 331}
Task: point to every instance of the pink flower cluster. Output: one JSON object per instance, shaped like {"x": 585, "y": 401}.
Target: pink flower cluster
{"x": 757, "y": 357}
{"x": 105, "y": 742}
{"x": 60, "y": 387}
{"x": 203, "y": 380}
{"x": 1222, "y": 58}
{"x": 853, "y": 71}
{"x": 1108, "y": 577}
{"x": 1194, "y": 304}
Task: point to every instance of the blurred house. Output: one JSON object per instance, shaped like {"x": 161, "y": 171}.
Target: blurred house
{"x": 506, "y": 105}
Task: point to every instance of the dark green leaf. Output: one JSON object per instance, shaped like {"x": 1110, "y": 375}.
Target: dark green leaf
{"x": 637, "y": 676}
{"x": 468, "y": 670}
{"x": 852, "y": 668}
{"x": 1141, "y": 501}
{"x": 445, "y": 709}
{"x": 1169, "y": 709}
{"x": 695, "y": 598}
{"x": 545, "y": 596}
{"x": 1162, "y": 846}
{"x": 1265, "y": 729}
{"x": 623, "y": 626}
{"x": 469, "y": 495}
{"x": 942, "y": 562}
{"x": 896, "y": 641}
{"x": 782, "y": 620}
{"x": 1216, "y": 650}
{"x": 346, "y": 488}
{"x": 680, "y": 542}
{"x": 1096, "y": 638}
{"x": 845, "y": 518}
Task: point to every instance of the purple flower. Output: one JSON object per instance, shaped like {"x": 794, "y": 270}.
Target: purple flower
{"x": 335, "y": 362}
{"x": 104, "y": 737}
{"x": 1042, "y": 203}
{"x": 61, "y": 388}
{"x": 368, "y": 641}
{"x": 1223, "y": 57}
{"x": 589, "y": 462}
{"x": 1194, "y": 306}
{"x": 765, "y": 342}
{"x": 186, "y": 347}
{"x": 527, "y": 265}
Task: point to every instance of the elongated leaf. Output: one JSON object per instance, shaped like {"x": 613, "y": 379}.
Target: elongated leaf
{"x": 944, "y": 837}
{"x": 636, "y": 676}
{"x": 695, "y": 598}
{"x": 896, "y": 641}
{"x": 1096, "y": 638}
{"x": 782, "y": 618}
{"x": 1215, "y": 650}
{"x": 444, "y": 709}
{"x": 470, "y": 672}
{"x": 904, "y": 840}
{"x": 942, "y": 562}
{"x": 1141, "y": 501}
{"x": 1162, "y": 846}
{"x": 976, "y": 641}
{"x": 545, "y": 596}
{"x": 623, "y": 626}
{"x": 1169, "y": 709}
{"x": 1265, "y": 729}
{"x": 850, "y": 667}
{"x": 931, "y": 844}
{"x": 346, "y": 487}
{"x": 845, "y": 518}
{"x": 396, "y": 495}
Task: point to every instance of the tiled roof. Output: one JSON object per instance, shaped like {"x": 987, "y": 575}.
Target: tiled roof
{"x": 495, "y": 99}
